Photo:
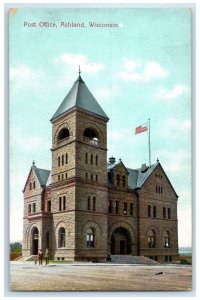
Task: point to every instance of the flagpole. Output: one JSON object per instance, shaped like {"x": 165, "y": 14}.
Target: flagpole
{"x": 149, "y": 145}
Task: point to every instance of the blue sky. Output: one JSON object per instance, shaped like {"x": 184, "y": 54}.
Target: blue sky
{"x": 137, "y": 71}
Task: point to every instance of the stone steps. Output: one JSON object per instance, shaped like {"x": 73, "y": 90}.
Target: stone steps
{"x": 129, "y": 259}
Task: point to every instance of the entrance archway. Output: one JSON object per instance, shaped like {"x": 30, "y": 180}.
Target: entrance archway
{"x": 120, "y": 242}
{"x": 34, "y": 241}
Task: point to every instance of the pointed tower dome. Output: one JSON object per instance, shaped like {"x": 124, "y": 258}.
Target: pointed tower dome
{"x": 79, "y": 96}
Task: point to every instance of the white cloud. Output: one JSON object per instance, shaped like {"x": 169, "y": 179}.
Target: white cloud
{"x": 175, "y": 92}
{"x": 142, "y": 71}
{"x": 75, "y": 60}
{"x": 106, "y": 93}
{"x": 25, "y": 73}
{"x": 172, "y": 127}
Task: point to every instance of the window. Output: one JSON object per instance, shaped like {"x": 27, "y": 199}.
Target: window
{"x": 96, "y": 177}
{"x": 110, "y": 206}
{"x": 154, "y": 211}
{"x": 116, "y": 207}
{"x": 61, "y": 237}
{"x": 168, "y": 258}
{"x": 91, "y": 176}
{"x": 164, "y": 212}
{"x": 34, "y": 184}
{"x": 30, "y": 186}
{"x": 65, "y": 175}
{"x": 58, "y": 161}
{"x": 91, "y": 135}
{"x": 159, "y": 189}
{"x": 91, "y": 159}
{"x": 152, "y": 239}
{"x": 66, "y": 158}
{"x": 62, "y": 176}
{"x": 29, "y": 208}
{"x": 64, "y": 203}
{"x": 86, "y": 175}
{"x": 48, "y": 206}
{"x": 60, "y": 203}
{"x": 166, "y": 239}
{"x": 34, "y": 207}
{"x": 90, "y": 238}
{"x": 169, "y": 213}
{"x": 63, "y": 160}
{"x": 123, "y": 181}
{"x": 118, "y": 179}
{"x": 131, "y": 209}
{"x": 88, "y": 203}
{"x": 149, "y": 210}
{"x": 86, "y": 158}
{"x": 96, "y": 160}
{"x": 94, "y": 203}
{"x": 63, "y": 134}
{"x": 58, "y": 177}
{"x": 125, "y": 208}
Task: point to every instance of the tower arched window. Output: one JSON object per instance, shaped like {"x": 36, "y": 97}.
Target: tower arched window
{"x": 66, "y": 158}
{"x": 90, "y": 238}
{"x": 30, "y": 186}
{"x": 34, "y": 184}
{"x": 118, "y": 179}
{"x": 152, "y": 239}
{"x": 61, "y": 237}
{"x": 63, "y": 134}
{"x": 91, "y": 135}
{"x": 58, "y": 161}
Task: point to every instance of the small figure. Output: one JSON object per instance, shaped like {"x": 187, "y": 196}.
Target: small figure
{"x": 47, "y": 256}
{"x": 35, "y": 261}
{"x": 40, "y": 256}
{"x": 108, "y": 258}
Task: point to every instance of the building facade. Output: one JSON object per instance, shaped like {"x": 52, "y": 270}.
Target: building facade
{"x": 85, "y": 208}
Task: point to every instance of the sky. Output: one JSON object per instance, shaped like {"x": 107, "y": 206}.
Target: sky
{"x": 138, "y": 70}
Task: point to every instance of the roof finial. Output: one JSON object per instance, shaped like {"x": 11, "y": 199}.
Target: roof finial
{"x": 79, "y": 70}
{"x": 33, "y": 163}
{"x": 157, "y": 160}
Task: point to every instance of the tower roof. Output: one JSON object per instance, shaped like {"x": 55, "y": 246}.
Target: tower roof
{"x": 79, "y": 96}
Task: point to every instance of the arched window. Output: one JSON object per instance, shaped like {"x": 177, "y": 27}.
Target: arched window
{"x": 63, "y": 160}
{"x": 66, "y": 158}
{"x": 118, "y": 179}
{"x": 34, "y": 184}
{"x": 152, "y": 239}
{"x": 61, "y": 237}
{"x": 123, "y": 181}
{"x": 91, "y": 136}
{"x": 90, "y": 238}
{"x": 166, "y": 239}
{"x": 30, "y": 186}
{"x": 63, "y": 134}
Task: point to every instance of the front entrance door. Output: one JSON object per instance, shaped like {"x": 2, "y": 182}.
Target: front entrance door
{"x": 120, "y": 242}
{"x": 34, "y": 241}
{"x": 122, "y": 247}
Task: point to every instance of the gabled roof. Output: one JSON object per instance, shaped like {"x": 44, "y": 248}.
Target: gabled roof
{"x": 137, "y": 177}
{"x": 79, "y": 96}
{"x": 42, "y": 175}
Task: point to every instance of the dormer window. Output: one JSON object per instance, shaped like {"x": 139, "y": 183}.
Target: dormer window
{"x": 118, "y": 179}
{"x": 123, "y": 181}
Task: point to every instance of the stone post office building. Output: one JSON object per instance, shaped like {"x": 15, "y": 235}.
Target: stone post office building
{"x": 85, "y": 208}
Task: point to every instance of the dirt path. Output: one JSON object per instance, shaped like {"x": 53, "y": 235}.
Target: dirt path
{"x": 92, "y": 277}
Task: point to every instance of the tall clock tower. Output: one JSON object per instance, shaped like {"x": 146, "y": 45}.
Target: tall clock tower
{"x": 79, "y": 196}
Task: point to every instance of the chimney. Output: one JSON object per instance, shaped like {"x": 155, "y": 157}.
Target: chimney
{"x": 143, "y": 168}
{"x": 112, "y": 160}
